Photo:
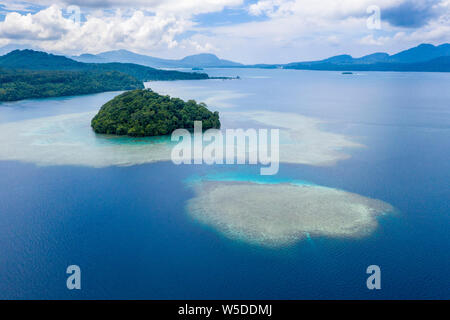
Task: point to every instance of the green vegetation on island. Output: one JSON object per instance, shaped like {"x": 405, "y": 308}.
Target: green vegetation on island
{"x": 141, "y": 113}
{"x": 37, "y": 60}
{"x": 26, "y": 74}
{"x": 144, "y": 73}
{"x": 27, "y": 84}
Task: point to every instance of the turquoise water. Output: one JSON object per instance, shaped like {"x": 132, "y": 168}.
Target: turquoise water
{"x": 128, "y": 229}
{"x": 244, "y": 175}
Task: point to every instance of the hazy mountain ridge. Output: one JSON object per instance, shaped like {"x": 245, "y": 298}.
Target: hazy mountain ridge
{"x": 425, "y": 57}
{"x": 421, "y": 53}
{"x": 441, "y": 64}
{"x": 203, "y": 60}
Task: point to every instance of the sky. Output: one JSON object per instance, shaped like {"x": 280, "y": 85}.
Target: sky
{"x": 254, "y": 31}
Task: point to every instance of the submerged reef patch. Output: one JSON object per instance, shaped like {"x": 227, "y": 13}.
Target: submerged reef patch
{"x": 275, "y": 215}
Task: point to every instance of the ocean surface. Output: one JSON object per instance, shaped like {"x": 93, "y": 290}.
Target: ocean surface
{"x": 128, "y": 228}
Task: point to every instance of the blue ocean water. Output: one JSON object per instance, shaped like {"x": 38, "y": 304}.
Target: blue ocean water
{"x": 127, "y": 228}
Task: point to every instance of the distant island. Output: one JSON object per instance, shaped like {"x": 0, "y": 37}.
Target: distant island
{"x": 26, "y": 74}
{"x": 140, "y": 113}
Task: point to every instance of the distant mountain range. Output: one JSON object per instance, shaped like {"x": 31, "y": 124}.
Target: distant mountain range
{"x": 425, "y": 57}
{"x": 441, "y": 64}
{"x": 421, "y": 53}
{"x": 204, "y": 60}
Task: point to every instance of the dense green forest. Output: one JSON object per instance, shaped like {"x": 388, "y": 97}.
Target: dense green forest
{"x": 149, "y": 74}
{"x": 37, "y": 60}
{"x": 26, "y": 84}
{"x": 28, "y": 74}
{"x": 146, "y": 113}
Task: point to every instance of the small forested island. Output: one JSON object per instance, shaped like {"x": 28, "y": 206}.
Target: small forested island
{"x": 140, "y": 113}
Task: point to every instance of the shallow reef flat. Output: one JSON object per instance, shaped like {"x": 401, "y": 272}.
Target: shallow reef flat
{"x": 69, "y": 140}
{"x": 275, "y": 215}
{"x": 302, "y": 141}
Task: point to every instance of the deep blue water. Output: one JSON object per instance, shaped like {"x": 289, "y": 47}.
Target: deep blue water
{"x": 126, "y": 227}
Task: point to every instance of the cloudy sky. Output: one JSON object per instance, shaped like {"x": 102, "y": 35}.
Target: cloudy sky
{"x": 255, "y": 31}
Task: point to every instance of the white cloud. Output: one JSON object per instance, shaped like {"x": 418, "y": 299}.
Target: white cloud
{"x": 437, "y": 30}
{"x": 45, "y": 25}
{"x": 49, "y": 29}
{"x": 178, "y": 7}
{"x": 278, "y": 31}
{"x": 4, "y": 42}
{"x": 16, "y": 6}
{"x": 198, "y": 46}
{"x": 332, "y": 9}
{"x": 154, "y": 26}
{"x": 311, "y": 29}
{"x": 372, "y": 41}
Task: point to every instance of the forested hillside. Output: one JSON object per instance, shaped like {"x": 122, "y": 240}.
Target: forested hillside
{"x": 26, "y": 84}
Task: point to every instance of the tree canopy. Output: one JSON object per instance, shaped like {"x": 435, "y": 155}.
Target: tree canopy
{"x": 147, "y": 113}
{"x": 27, "y": 84}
